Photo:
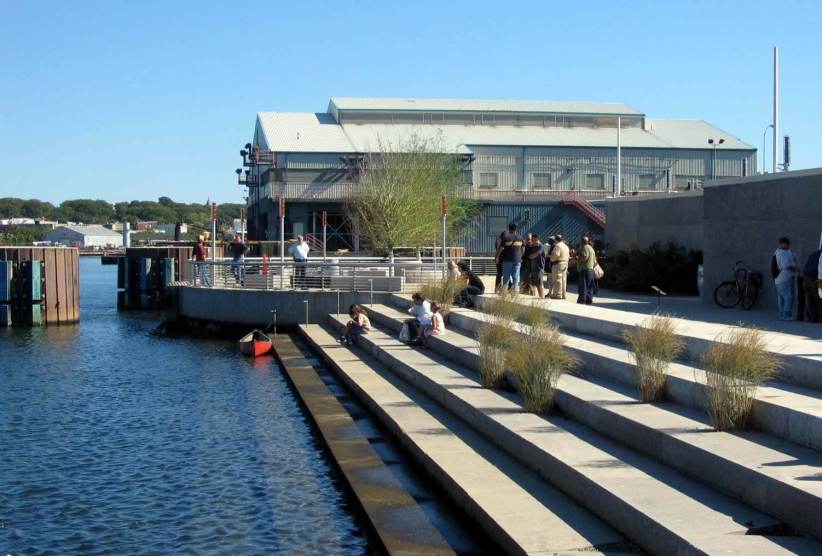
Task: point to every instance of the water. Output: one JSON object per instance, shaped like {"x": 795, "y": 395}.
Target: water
{"x": 115, "y": 441}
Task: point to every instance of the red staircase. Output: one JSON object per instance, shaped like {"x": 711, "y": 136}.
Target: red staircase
{"x": 585, "y": 207}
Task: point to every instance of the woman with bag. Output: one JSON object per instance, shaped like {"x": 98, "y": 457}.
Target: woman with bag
{"x": 586, "y": 267}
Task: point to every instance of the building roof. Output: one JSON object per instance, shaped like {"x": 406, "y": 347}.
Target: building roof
{"x": 467, "y": 105}
{"x": 302, "y": 132}
{"x": 91, "y": 230}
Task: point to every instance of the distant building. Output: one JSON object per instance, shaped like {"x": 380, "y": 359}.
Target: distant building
{"x": 146, "y": 226}
{"x": 548, "y": 166}
{"x": 85, "y": 236}
{"x": 169, "y": 228}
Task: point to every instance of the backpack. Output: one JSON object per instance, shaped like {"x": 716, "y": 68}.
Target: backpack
{"x": 774, "y": 267}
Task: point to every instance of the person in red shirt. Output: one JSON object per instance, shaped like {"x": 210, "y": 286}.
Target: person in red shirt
{"x": 200, "y": 255}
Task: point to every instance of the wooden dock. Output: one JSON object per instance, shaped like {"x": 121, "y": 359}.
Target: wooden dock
{"x": 39, "y": 285}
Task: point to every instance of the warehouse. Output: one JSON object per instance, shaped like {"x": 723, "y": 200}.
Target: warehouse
{"x": 85, "y": 236}
{"x": 546, "y": 165}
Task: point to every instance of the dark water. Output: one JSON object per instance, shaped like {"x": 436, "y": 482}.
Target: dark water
{"x": 119, "y": 442}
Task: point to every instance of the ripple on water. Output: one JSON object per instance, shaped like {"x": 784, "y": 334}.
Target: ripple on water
{"x": 115, "y": 441}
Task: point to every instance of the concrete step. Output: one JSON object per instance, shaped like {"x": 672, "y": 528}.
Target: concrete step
{"x": 768, "y": 473}
{"x": 801, "y": 357}
{"x": 511, "y": 503}
{"x": 783, "y": 410}
{"x": 651, "y": 504}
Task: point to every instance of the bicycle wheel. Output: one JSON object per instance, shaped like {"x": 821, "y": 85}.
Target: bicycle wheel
{"x": 749, "y": 295}
{"x": 727, "y": 295}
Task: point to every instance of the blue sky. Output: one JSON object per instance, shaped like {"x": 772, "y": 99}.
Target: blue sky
{"x": 134, "y": 100}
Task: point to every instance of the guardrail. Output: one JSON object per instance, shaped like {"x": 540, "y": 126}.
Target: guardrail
{"x": 360, "y": 274}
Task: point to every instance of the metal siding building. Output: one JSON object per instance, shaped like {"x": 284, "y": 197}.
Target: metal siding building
{"x": 526, "y": 156}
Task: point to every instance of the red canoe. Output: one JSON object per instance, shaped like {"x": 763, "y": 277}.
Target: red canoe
{"x": 255, "y": 343}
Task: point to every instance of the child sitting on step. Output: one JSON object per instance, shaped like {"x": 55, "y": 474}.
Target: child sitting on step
{"x": 357, "y": 326}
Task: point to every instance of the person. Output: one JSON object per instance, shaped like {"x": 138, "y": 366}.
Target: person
{"x": 535, "y": 254}
{"x": 559, "y": 255}
{"x": 473, "y": 287}
{"x": 421, "y": 311}
{"x": 586, "y": 261}
{"x": 453, "y": 270}
{"x": 813, "y": 304}
{"x": 785, "y": 280}
{"x": 437, "y": 326}
{"x": 510, "y": 253}
{"x": 524, "y": 285}
{"x": 357, "y": 326}
{"x": 548, "y": 246}
{"x": 238, "y": 249}
{"x": 498, "y": 261}
{"x": 200, "y": 255}
{"x": 299, "y": 254}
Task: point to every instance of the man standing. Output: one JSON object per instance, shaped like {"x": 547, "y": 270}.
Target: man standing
{"x": 510, "y": 254}
{"x": 299, "y": 253}
{"x": 237, "y": 249}
{"x": 525, "y": 267}
{"x": 785, "y": 280}
{"x": 535, "y": 255}
{"x": 560, "y": 254}
{"x": 586, "y": 261}
{"x": 813, "y": 305}
{"x": 497, "y": 261}
{"x": 200, "y": 255}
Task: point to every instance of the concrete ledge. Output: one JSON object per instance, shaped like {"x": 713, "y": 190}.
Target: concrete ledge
{"x": 522, "y": 512}
{"x": 400, "y": 524}
{"x": 649, "y": 503}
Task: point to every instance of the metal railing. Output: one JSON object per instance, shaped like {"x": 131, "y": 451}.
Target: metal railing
{"x": 374, "y": 274}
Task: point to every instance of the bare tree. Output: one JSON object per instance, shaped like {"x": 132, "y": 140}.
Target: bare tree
{"x": 398, "y": 199}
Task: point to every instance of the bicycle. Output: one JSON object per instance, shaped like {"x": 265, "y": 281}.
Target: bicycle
{"x": 743, "y": 289}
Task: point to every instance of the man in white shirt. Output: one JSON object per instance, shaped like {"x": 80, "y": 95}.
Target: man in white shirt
{"x": 785, "y": 281}
{"x": 299, "y": 253}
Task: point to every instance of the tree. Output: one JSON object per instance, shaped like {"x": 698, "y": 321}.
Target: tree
{"x": 398, "y": 199}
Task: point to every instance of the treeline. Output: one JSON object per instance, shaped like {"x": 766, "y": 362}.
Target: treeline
{"x": 96, "y": 211}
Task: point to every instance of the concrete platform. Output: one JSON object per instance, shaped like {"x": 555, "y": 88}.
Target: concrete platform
{"x": 649, "y": 503}
{"x": 523, "y": 513}
{"x": 752, "y": 467}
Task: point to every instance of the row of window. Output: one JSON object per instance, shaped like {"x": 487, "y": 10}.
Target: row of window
{"x": 540, "y": 180}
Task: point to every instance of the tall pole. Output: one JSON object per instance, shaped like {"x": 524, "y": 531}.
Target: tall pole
{"x": 619, "y": 157}
{"x": 325, "y": 231}
{"x": 282, "y": 242}
{"x": 444, "y": 213}
{"x": 213, "y": 232}
{"x": 775, "y": 108}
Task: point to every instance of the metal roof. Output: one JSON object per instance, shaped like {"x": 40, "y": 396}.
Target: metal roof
{"x": 467, "y": 105}
{"x": 319, "y": 133}
{"x": 90, "y": 230}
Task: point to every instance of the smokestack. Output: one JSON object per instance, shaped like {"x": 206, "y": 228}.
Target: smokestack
{"x": 775, "y": 108}
{"x": 126, "y": 234}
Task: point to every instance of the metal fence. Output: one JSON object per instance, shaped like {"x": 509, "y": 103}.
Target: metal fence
{"x": 374, "y": 274}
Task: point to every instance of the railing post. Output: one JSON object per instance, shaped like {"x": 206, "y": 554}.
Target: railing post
{"x": 371, "y": 284}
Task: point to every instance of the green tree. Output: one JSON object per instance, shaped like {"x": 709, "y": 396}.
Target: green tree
{"x": 398, "y": 199}
{"x": 87, "y": 211}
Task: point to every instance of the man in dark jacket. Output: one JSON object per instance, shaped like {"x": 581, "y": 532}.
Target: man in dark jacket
{"x": 813, "y": 304}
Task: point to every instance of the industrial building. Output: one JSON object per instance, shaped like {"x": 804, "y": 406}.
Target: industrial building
{"x": 85, "y": 236}
{"x": 546, "y": 165}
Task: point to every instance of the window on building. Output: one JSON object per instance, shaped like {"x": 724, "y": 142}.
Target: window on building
{"x": 647, "y": 182}
{"x": 594, "y": 181}
{"x": 497, "y": 225}
{"x": 684, "y": 183}
{"x": 541, "y": 180}
{"x": 488, "y": 180}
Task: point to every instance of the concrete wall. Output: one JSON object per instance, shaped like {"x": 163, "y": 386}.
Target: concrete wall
{"x": 744, "y": 218}
{"x": 253, "y": 307}
{"x": 642, "y": 221}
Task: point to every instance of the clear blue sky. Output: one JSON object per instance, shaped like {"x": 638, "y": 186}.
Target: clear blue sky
{"x": 133, "y": 100}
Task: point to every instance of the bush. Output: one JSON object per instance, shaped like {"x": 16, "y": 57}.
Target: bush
{"x": 442, "y": 291}
{"x": 495, "y": 339}
{"x": 506, "y": 307}
{"x": 654, "y": 344}
{"x": 735, "y": 365}
{"x": 673, "y": 269}
{"x": 538, "y": 361}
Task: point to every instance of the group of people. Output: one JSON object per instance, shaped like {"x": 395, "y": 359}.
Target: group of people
{"x": 426, "y": 321}
{"x": 798, "y": 288}
{"x": 522, "y": 263}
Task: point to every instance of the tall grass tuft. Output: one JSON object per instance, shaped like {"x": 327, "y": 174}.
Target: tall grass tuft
{"x": 495, "y": 340}
{"x": 736, "y": 364}
{"x": 538, "y": 361}
{"x": 654, "y": 344}
{"x": 506, "y": 307}
{"x": 442, "y": 291}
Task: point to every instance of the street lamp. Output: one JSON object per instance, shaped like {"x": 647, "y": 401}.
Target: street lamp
{"x": 764, "y": 134}
{"x": 715, "y": 144}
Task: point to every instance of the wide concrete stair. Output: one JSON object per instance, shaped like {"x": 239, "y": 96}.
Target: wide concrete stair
{"x": 624, "y": 459}
{"x": 512, "y": 504}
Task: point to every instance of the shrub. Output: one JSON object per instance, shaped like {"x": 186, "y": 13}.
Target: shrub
{"x": 538, "y": 361}
{"x": 673, "y": 269}
{"x": 506, "y": 307}
{"x": 442, "y": 291}
{"x": 495, "y": 339}
{"x": 735, "y": 365}
{"x": 654, "y": 344}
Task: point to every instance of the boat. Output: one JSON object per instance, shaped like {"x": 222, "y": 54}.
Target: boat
{"x": 255, "y": 343}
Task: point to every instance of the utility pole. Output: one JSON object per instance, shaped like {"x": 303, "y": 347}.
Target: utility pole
{"x": 213, "y": 232}
{"x": 775, "y": 108}
{"x": 444, "y": 215}
{"x": 619, "y": 157}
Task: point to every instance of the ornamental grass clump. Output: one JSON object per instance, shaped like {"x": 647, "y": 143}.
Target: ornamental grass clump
{"x": 654, "y": 344}
{"x": 538, "y": 361}
{"x": 503, "y": 306}
{"x": 495, "y": 339}
{"x": 442, "y": 291}
{"x": 736, "y": 364}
